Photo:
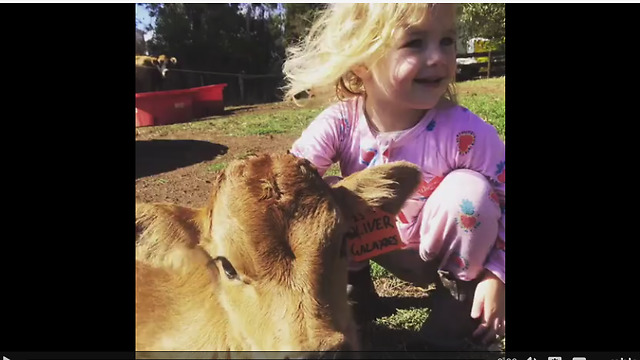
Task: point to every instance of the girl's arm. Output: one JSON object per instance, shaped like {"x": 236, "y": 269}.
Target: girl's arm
{"x": 320, "y": 141}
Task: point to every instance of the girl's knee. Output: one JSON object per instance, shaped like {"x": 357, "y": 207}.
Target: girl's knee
{"x": 465, "y": 180}
{"x": 468, "y": 191}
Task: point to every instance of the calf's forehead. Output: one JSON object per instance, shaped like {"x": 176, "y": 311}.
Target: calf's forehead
{"x": 261, "y": 206}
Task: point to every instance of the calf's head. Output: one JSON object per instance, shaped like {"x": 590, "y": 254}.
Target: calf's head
{"x": 163, "y": 63}
{"x": 276, "y": 236}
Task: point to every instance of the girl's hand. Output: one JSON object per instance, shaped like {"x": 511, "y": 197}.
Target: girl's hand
{"x": 488, "y": 305}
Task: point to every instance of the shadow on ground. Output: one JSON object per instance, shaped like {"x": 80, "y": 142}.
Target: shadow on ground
{"x": 159, "y": 156}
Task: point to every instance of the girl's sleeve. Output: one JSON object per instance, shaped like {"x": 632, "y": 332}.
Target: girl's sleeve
{"x": 320, "y": 141}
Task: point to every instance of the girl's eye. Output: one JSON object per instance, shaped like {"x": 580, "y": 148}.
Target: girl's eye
{"x": 413, "y": 43}
{"x": 447, "y": 41}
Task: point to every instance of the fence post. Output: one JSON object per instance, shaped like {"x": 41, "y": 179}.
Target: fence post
{"x": 489, "y": 66}
{"x": 241, "y": 85}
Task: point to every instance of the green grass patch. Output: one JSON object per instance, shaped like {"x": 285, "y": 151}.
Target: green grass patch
{"x": 378, "y": 272}
{"x": 282, "y": 122}
{"x": 408, "y": 319}
{"x": 486, "y": 99}
{"x": 483, "y": 85}
{"x": 334, "y": 170}
{"x": 217, "y": 167}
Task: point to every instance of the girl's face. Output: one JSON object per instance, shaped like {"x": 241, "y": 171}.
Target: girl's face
{"x": 421, "y": 63}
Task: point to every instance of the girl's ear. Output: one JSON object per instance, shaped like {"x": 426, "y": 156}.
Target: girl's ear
{"x": 361, "y": 71}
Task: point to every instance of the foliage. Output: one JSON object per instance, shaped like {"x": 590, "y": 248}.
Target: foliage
{"x": 486, "y": 20}
{"x": 219, "y": 37}
{"x": 299, "y": 17}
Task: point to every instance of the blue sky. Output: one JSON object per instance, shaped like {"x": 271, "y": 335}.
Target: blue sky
{"x": 143, "y": 15}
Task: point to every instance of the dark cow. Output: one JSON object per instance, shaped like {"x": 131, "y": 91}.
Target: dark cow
{"x": 151, "y": 72}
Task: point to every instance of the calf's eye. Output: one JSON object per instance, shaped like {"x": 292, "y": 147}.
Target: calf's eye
{"x": 229, "y": 270}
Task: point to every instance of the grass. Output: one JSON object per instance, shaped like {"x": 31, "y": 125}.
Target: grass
{"x": 279, "y": 123}
{"x": 286, "y": 121}
{"x": 406, "y": 319}
{"x": 217, "y": 167}
{"x": 486, "y": 99}
{"x": 378, "y": 272}
{"x": 334, "y": 170}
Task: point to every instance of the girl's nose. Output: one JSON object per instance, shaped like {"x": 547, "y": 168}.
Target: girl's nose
{"x": 434, "y": 54}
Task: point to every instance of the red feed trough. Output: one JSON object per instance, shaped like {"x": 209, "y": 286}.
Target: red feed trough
{"x": 208, "y": 100}
{"x": 163, "y": 108}
{"x": 178, "y": 106}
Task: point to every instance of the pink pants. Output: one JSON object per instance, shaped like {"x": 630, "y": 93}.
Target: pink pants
{"x": 455, "y": 231}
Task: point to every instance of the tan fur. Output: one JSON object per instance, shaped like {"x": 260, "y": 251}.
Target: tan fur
{"x": 148, "y": 76}
{"x": 143, "y": 60}
{"x": 165, "y": 58}
{"x": 281, "y": 227}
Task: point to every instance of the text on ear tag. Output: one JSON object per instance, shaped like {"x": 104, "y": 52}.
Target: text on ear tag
{"x": 371, "y": 234}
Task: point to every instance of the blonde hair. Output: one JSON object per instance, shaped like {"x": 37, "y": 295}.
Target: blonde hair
{"x": 344, "y": 36}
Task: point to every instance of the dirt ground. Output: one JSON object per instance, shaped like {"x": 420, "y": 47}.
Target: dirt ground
{"x": 178, "y": 166}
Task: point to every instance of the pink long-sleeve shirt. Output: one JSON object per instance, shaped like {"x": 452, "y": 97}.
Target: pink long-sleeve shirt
{"x": 445, "y": 139}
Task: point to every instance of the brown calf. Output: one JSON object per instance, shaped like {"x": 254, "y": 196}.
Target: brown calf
{"x": 263, "y": 266}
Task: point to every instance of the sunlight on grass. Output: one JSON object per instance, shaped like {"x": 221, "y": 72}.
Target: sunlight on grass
{"x": 378, "y": 272}
{"x": 217, "y": 167}
{"x": 409, "y": 319}
{"x": 281, "y": 122}
{"x": 486, "y": 99}
{"x": 334, "y": 170}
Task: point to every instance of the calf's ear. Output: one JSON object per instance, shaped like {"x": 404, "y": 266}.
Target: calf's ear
{"x": 385, "y": 186}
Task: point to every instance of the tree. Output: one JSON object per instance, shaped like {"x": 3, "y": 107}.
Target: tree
{"x": 485, "y": 20}
{"x": 195, "y": 33}
{"x": 299, "y": 17}
{"x": 141, "y": 46}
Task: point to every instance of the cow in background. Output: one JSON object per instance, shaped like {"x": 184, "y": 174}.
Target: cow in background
{"x": 152, "y": 71}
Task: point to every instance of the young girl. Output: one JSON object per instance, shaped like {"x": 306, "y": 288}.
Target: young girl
{"x": 392, "y": 68}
